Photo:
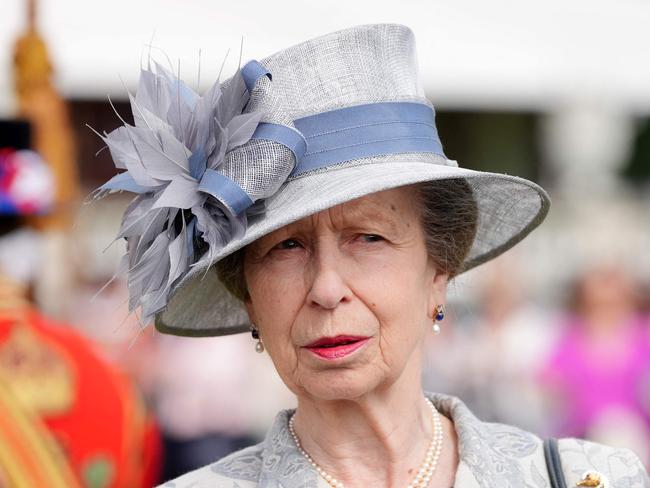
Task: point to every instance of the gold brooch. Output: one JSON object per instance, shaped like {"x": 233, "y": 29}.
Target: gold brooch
{"x": 593, "y": 479}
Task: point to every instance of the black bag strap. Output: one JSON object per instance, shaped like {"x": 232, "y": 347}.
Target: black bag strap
{"x": 554, "y": 463}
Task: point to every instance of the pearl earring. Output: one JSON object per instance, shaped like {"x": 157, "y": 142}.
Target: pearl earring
{"x": 259, "y": 347}
{"x": 439, "y": 315}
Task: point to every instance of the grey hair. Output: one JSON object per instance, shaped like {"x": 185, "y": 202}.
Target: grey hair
{"x": 449, "y": 221}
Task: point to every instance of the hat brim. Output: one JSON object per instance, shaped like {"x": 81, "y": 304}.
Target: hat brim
{"x": 509, "y": 209}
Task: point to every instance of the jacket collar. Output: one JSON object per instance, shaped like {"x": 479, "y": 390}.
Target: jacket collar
{"x": 490, "y": 454}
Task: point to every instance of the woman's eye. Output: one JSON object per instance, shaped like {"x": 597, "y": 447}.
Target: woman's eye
{"x": 372, "y": 238}
{"x": 288, "y": 244}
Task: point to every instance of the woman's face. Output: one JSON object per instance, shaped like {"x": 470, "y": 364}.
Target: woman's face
{"x": 358, "y": 273}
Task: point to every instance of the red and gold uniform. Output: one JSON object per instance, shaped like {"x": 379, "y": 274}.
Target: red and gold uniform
{"x": 68, "y": 418}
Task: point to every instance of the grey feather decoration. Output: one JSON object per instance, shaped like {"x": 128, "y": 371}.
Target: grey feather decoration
{"x": 177, "y": 136}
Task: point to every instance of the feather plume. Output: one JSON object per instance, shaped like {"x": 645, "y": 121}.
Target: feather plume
{"x": 177, "y": 135}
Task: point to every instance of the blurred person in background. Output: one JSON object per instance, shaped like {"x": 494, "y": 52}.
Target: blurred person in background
{"x": 598, "y": 372}
{"x": 492, "y": 355}
{"x": 190, "y": 384}
{"x": 39, "y": 102}
{"x": 68, "y": 418}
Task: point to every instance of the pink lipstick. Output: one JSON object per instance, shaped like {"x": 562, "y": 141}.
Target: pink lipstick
{"x": 338, "y": 347}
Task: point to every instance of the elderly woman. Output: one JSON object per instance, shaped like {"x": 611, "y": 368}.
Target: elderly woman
{"x": 308, "y": 199}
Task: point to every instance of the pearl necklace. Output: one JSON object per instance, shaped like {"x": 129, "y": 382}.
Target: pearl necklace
{"x": 425, "y": 472}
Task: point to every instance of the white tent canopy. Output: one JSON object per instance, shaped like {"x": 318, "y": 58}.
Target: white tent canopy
{"x": 518, "y": 54}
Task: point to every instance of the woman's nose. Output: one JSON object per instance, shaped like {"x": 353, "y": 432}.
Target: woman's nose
{"x": 328, "y": 285}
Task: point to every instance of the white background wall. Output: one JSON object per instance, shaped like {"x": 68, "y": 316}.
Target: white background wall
{"x": 514, "y": 53}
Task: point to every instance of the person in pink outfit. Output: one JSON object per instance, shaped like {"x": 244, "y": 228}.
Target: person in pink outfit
{"x": 598, "y": 373}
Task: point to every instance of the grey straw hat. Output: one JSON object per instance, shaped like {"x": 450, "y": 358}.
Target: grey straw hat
{"x": 337, "y": 117}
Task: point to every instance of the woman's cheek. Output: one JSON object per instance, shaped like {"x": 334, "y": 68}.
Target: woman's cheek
{"x": 278, "y": 304}
{"x": 271, "y": 279}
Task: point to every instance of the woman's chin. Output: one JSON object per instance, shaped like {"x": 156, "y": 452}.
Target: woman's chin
{"x": 339, "y": 385}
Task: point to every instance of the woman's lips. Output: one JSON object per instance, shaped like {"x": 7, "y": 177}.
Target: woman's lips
{"x": 336, "y": 347}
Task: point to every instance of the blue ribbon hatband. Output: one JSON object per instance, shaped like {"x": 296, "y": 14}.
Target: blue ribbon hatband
{"x": 365, "y": 131}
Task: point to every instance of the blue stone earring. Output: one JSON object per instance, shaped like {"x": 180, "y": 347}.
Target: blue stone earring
{"x": 259, "y": 347}
{"x": 440, "y": 314}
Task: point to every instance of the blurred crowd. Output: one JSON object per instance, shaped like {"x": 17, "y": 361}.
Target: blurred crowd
{"x": 578, "y": 369}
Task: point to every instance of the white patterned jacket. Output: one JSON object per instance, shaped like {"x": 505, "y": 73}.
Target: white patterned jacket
{"x": 491, "y": 456}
